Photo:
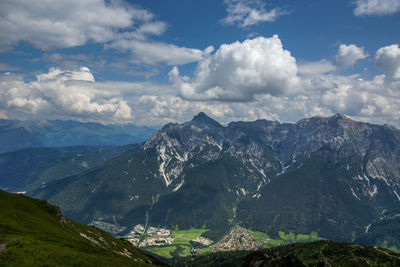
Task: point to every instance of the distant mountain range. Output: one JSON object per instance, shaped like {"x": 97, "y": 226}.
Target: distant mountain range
{"x": 332, "y": 175}
{"x": 16, "y": 135}
{"x": 27, "y": 169}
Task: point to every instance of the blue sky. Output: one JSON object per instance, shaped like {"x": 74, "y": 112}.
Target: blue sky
{"x": 150, "y": 62}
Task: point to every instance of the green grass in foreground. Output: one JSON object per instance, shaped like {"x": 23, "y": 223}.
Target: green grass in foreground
{"x": 34, "y": 233}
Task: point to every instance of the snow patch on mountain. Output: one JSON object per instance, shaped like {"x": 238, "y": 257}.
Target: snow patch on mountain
{"x": 354, "y": 193}
{"x": 178, "y": 186}
{"x": 163, "y": 159}
{"x": 397, "y": 195}
{"x": 373, "y": 192}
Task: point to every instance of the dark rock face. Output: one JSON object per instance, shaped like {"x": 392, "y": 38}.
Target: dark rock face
{"x": 333, "y": 175}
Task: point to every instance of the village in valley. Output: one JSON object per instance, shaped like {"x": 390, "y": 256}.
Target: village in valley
{"x": 166, "y": 242}
{"x": 152, "y": 237}
{"x": 157, "y": 237}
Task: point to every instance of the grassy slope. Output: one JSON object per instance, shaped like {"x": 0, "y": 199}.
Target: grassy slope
{"x": 32, "y": 233}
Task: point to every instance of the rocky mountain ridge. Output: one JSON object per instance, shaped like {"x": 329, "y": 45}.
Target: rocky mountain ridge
{"x": 333, "y": 175}
{"x": 178, "y": 143}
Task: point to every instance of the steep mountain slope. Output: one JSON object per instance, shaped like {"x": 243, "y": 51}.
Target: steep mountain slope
{"x": 332, "y": 175}
{"x": 341, "y": 187}
{"x": 16, "y": 135}
{"x": 34, "y": 233}
{"x": 384, "y": 233}
{"x": 316, "y": 196}
{"x": 27, "y": 169}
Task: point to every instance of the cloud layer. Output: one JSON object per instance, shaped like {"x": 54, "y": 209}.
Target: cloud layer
{"x": 61, "y": 24}
{"x": 50, "y": 25}
{"x": 248, "y": 80}
{"x": 61, "y": 93}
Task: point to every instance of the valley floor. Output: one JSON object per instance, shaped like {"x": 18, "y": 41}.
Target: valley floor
{"x": 169, "y": 243}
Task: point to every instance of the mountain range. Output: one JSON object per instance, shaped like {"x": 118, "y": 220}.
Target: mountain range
{"x": 16, "y": 135}
{"x": 27, "y": 169}
{"x": 332, "y": 175}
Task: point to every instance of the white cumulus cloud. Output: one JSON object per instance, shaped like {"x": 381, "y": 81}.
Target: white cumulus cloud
{"x": 158, "y": 52}
{"x": 61, "y": 24}
{"x": 56, "y": 74}
{"x": 347, "y": 55}
{"x": 387, "y": 59}
{"x": 245, "y": 13}
{"x": 62, "y": 93}
{"x": 376, "y": 7}
{"x": 241, "y": 70}
{"x": 50, "y": 25}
